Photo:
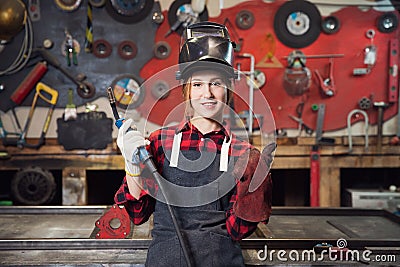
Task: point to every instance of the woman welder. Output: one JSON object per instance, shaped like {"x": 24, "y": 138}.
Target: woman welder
{"x": 204, "y": 158}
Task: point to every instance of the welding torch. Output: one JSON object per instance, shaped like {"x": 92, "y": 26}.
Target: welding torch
{"x": 145, "y": 157}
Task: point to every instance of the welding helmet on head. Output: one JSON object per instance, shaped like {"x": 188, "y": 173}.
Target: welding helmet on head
{"x": 206, "y": 45}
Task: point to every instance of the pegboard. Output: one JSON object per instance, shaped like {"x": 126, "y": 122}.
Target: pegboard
{"x": 101, "y": 72}
{"x": 260, "y": 40}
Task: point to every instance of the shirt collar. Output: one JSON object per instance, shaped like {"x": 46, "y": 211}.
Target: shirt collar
{"x": 186, "y": 125}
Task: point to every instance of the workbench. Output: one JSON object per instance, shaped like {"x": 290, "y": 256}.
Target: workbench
{"x": 64, "y": 235}
{"x": 292, "y": 153}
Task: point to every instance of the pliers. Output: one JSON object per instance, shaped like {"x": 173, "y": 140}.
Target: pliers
{"x": 308, "y": 130}
{"x": 328, "y": 84}
{"x": 70, "y": 51}
{"x": 299, "y": 112}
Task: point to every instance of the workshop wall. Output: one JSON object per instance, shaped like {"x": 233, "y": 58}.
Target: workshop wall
{"x": 128, "y": 52}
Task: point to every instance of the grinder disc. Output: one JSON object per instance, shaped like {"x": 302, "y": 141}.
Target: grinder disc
{"x": 129, "y": 12}
{"x": 128, "y": 91}
{"x": 297, "y": 24}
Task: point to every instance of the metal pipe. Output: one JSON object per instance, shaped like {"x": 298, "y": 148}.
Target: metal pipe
{"x": 381, "y": 106}
{"x": 251, "y": 91}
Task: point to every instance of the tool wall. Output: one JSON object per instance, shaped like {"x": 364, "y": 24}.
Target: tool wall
{"x": 302, "y": 59}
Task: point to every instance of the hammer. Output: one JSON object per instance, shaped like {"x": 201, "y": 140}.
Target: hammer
{"x": 381, "y": 107}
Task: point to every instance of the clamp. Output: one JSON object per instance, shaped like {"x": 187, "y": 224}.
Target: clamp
{"x": 327, "y": 85}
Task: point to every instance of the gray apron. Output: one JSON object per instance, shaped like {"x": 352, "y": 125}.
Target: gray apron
{"x": 203, "y": 227}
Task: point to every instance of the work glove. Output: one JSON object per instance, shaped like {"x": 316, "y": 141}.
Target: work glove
{"x": 254, "y": 189}
{"x": 128, "y": 141}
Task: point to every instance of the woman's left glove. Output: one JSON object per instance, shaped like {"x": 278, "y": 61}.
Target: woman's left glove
{"x": 254, "y": 204}
{"x": 128, "y": 141}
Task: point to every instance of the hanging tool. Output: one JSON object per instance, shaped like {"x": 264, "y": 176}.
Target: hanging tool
{"x": 84, "y": 88}
{"x": 299, "y": 119}
{"x": 393, "y": 83}
{"x": 396, "y": 139}
{"x": 5, "y": 135}
{"x": 34, "y": 9}
{"x": 366, "y": 126}
{"x": 70, "y": 109}
{"x": 89, "y": 29}
{"x": 25, "y": 87}
{"x": 315, "y": 157}
{"x": 173, "y": 28}
{"x": 327, "y": 85}
{"x": 314, "y": 176}
{"x": 381, "y": 106}
{"x": 70, "y": 49}
{"x": 146, "y": 159}
{"x": 181, "y": 14}
{"x": 53, "y": 94}
{"x": 297, "y": 77}
{"x": 370, "y": 55}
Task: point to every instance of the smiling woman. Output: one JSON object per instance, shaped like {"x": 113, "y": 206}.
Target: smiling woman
{"x": 206, "y": 169}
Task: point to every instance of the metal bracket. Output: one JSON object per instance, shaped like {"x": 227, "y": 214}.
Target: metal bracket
{"x": 351, "y": 113}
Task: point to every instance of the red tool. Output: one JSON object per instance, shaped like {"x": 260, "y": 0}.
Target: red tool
{"x": 393, "y": 70}
{"x": 327, "y": 85}
{"x": 114, "y": 224}
{"x": 315, "y": 157}
{"x": 29, "y": 82}
{"x": 314, "y": 176}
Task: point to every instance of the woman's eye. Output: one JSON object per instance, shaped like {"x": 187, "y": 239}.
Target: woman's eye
{"x": 196, "y": 84}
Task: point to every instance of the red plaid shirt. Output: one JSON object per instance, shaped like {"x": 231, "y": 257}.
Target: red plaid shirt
{"x": 192, "y": 139}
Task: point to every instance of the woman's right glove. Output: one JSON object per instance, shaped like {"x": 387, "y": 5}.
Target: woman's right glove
{"x": 128, "y": 141}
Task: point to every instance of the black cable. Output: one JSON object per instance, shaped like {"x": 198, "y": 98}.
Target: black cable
{"x": 146, "y": 159}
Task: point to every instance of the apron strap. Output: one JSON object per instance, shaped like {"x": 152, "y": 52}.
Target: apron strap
{"x": 223, "y": 161}
{"x": 176, "y": 145}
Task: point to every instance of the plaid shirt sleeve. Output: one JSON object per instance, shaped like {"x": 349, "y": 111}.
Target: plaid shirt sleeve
{"x": 139, "y": 210}
{"x": 238, "y": 228}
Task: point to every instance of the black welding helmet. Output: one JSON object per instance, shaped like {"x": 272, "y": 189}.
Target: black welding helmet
{"x": 205, "y": 45}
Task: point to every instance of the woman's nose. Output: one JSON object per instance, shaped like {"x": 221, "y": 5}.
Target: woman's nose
{"x": 207, "y": 93}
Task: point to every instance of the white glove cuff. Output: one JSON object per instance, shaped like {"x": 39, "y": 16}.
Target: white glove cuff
{"x": 132, "y": 169}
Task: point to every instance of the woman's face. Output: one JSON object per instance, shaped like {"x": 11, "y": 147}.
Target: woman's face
{"x": 208, "y": 93}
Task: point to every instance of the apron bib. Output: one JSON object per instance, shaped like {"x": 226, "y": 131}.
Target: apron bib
{"x": 202, "y": 226}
